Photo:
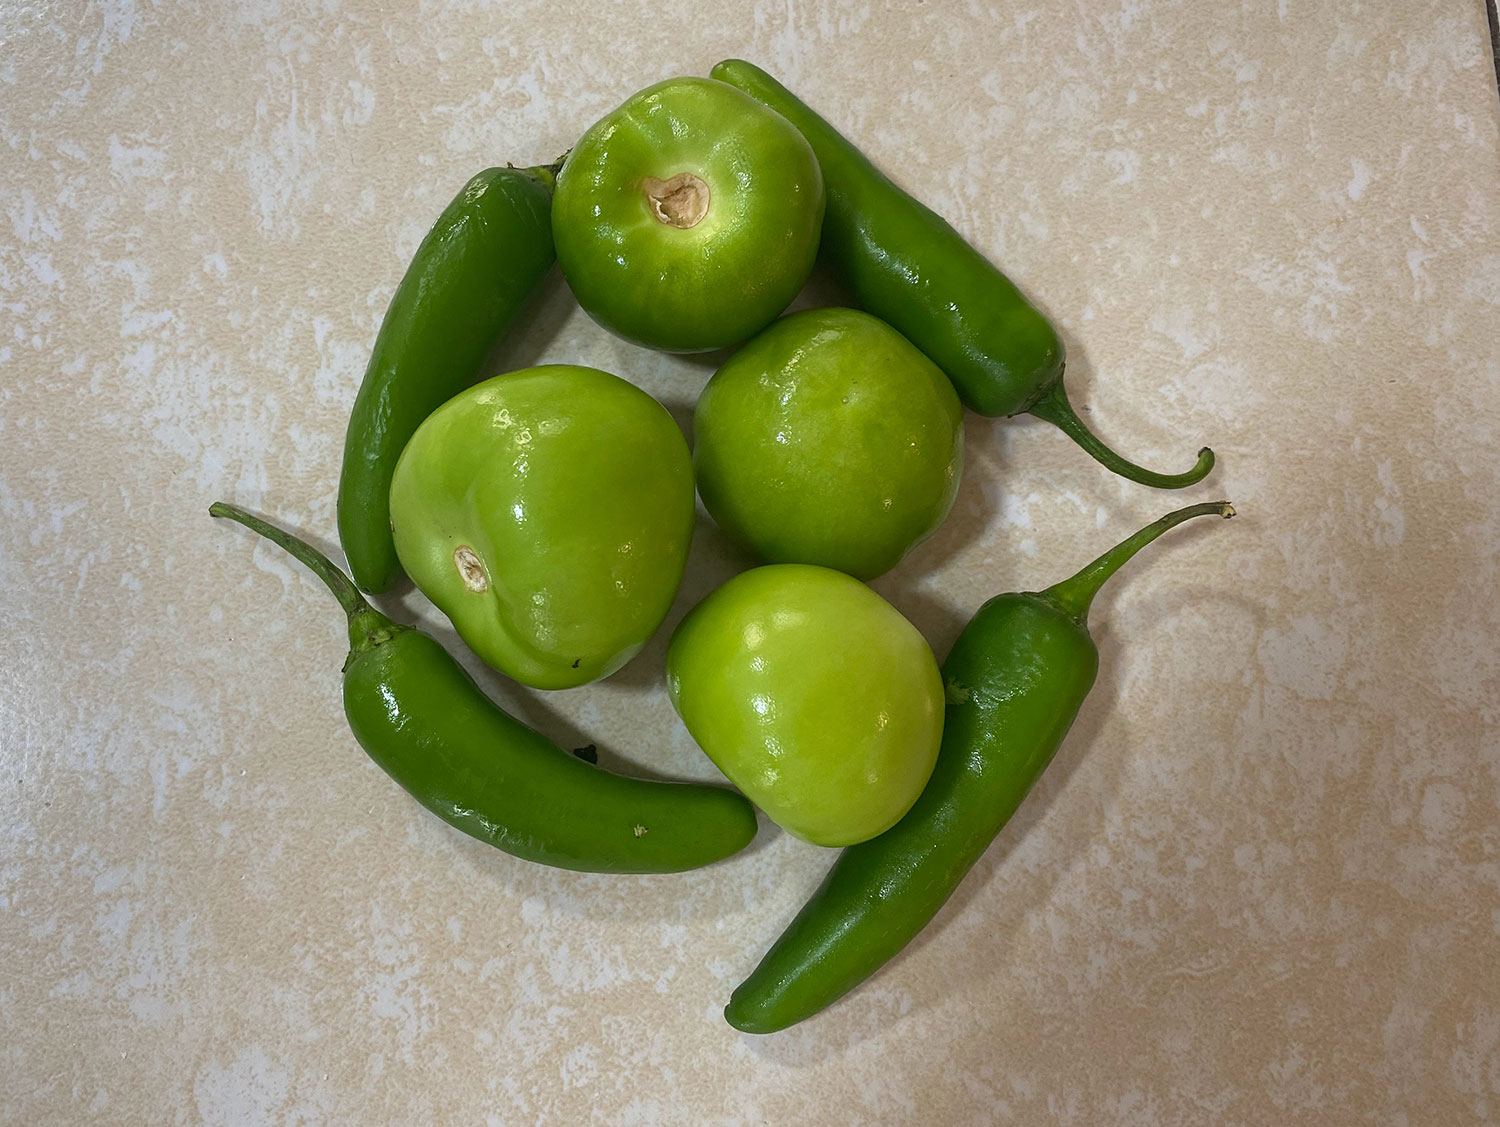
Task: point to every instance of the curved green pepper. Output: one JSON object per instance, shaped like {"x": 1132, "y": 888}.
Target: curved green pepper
{"x": 1015, "y": 679}
{"x": 426, "y": 723}
{"x": 910, "y": 268}
{"x": 472, "y": 275}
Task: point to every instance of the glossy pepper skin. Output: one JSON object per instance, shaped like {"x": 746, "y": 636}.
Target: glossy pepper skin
{"x": 1014, "y": 681}
{"x": 419, "y": 715}
{"x": 910, "y": 268}
{"x": 472, "y": 275}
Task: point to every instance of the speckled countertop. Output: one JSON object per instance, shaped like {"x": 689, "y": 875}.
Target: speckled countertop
{"x": 1258, "y": 885}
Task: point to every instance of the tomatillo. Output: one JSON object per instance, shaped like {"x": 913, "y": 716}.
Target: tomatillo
{"x": 689, "y": 217}
{"x": 547, "y": 513}
{"x": 829, "y": 439}
{"x": 814, "y": 696}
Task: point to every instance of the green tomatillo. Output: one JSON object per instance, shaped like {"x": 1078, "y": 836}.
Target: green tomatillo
{"x": 829, "y": 439}
{"x": 689, "y": 217}
{"x": 547, "y": 513}
{"x": 814, "y": 696}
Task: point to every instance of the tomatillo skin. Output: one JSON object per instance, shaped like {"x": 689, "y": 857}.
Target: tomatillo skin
{"x": 424, "y": 721}
{"x": 547, "y": 512}
{"x": 1014, "y": 681}
{"x": 909, "y": 267}
{"x": 829, "y": 439}
{"x": 813, "y": 695}
{"x": 688, "y": 218}
{"x": 471, "y": 277}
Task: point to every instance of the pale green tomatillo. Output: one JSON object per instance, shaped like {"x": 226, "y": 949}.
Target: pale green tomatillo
{"x": 547, "y": 513}
{"x": 813, "y": 695}
{"x": 688, "y": 218}
{"x": 829, "y": 439}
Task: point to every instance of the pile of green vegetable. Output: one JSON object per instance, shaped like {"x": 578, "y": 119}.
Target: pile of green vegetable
{"x": 548, "y": 513}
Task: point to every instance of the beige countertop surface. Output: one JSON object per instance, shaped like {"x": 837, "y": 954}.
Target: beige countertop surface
{"x": 1260, "y": 884}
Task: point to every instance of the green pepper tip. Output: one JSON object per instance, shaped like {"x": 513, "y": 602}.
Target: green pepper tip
{"x": 1052, "y": 406}
{"x": 333, "y": 577}
{"x": 1075, "y": 593}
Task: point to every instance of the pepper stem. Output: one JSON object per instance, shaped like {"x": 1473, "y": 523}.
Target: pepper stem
{"x": 1054, "y": 407}
{"x": 368, "y": 628}
{"x": 545, "y": 174}
{"x": 1075, "y": 594}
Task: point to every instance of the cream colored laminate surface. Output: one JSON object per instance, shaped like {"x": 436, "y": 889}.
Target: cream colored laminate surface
{"x": 1257, "y": 886}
